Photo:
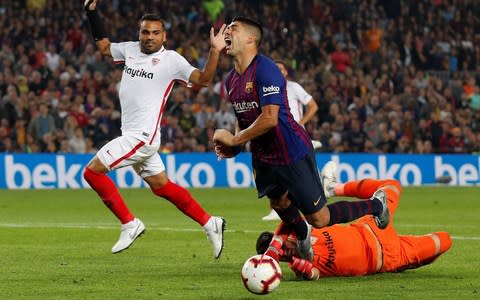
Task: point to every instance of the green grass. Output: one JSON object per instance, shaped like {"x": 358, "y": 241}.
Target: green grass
{"x": 55, "y": 244}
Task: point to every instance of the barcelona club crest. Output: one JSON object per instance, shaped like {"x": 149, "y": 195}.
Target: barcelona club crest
{"x": 155, "y": 60}
{"x": 249, "y": 87}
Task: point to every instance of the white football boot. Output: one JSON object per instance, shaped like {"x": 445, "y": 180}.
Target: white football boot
{"x": 214, "y": 229}
{"x": 130, "y": 232}
{"x": 383, "y": 219}
{"x": 272, "y": 216}
{"x": 328, "y": 176}
{"x": 316, "y": 144}
{"x": 304, "y": 247}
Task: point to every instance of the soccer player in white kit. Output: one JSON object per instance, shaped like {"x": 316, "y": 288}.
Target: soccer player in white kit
{"x": 298, "y": 98}
{"x": 149, "y": 74}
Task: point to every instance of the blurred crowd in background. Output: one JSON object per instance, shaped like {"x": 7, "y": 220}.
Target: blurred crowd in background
{"x": 389, "y": 76}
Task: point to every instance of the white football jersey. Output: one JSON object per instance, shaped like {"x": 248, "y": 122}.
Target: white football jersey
{"x": 147, "y": 81}
{"x": 297, "y": 98}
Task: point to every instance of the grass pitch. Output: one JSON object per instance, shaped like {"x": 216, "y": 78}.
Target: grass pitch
{"x": 55, "y": 244}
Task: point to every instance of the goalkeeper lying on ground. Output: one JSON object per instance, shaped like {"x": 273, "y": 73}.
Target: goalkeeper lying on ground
{"x": 359, "y": 248}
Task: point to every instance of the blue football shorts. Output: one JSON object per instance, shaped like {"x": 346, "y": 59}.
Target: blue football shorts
{"x": 300, "y": 179}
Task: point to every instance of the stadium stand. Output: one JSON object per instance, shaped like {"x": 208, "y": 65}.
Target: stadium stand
{"x": 390, "y": 76}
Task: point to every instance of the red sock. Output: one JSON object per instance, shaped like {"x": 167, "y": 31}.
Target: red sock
{"x": 183, "y": 201}
{"x": 106, "y": 189}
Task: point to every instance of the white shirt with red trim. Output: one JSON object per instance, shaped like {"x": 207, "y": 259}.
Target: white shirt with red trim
{"x": 297, "y": 98}
{"x": 147, "y": 81}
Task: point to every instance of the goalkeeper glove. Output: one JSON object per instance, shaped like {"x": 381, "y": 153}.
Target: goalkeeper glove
{"x": 303, "y": 268}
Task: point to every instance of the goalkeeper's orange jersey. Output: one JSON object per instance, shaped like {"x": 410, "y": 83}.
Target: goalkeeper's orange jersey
{"x": 346, "y": 250}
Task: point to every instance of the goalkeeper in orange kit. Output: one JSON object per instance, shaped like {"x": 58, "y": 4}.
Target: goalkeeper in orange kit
{"x": 359, "y": 248}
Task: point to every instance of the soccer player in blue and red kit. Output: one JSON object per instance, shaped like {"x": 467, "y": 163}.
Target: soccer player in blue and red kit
{"x": 282, "y": 153}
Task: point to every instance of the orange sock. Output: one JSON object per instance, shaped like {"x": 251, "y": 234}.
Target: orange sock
{"x": 363, "y": 188}
{"x": 445, "y": 241}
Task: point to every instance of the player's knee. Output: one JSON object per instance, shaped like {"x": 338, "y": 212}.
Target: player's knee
{"x": 319, "y": 219}
{"x": 281, "y": 202}
{"x": 157, "y": 187}
{"x": 94, "y": 169}
{"x": 157, "y": 182}
{"x": 318, "y": 223}
{"x": 166, "y": 190}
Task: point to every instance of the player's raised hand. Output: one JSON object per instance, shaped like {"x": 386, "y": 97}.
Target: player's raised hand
{"x": 90, "y": 4}
{"x": 217, "y": 41}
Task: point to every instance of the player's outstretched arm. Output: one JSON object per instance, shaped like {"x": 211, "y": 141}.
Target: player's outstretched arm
{"x": 97, "y": 27}
{"x": 217, "y": 43}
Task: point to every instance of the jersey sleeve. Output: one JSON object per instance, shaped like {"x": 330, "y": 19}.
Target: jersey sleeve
{"x": 270, "y": 83}
{"x": 180, "y": 67}
{"x": 118, "y": 51}
{"x": 300, "y": 94}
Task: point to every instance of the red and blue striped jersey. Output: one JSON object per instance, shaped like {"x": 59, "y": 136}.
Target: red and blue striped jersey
{"x": 263, "y": 84}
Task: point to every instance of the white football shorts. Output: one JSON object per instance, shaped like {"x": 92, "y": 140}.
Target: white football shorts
{"x": 126, "y": 151}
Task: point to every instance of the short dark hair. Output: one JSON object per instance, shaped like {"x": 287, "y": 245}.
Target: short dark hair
{"x": 152, "y": 17}
{"x": 252, "y": 23}
{"x": 263, "y": 241}
{"x": 281, "y": 62}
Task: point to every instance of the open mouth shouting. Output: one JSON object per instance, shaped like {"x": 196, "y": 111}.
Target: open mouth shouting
{"x": 228, "y": 41}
